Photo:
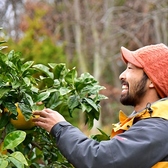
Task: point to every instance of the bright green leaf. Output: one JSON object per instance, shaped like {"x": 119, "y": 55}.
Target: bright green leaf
{"x": 11, "y": 54}
{"x": 16, "y": 162}
{"x": 13, "y": 139}
{"x": 3, "y": 163}
{"x": 44, "y": 69}
{"x": 52, "y": 65}
{"x": 26, "y": 65}
{"x": 27, "y": 81}
{"x": 34, "y": 89}
{"x": 42, "y": 96}
{"x": 83, "y": 107}
{"x": 18, "y": 159}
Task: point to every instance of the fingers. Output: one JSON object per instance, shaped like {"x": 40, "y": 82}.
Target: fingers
{"x": 43, "y": 124}
{"x": 47, "y": 118}
{"x": 41, "y": 119}
{"x": 42, "y": 113}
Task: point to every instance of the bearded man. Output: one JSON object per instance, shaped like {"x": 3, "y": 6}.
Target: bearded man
{"x": 137, "y": 141}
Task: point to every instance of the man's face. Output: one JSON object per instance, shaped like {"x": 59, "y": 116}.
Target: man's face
{"x": 134, "y": 87}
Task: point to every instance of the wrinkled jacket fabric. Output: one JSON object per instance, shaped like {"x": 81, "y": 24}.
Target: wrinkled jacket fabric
{"x": 138, "y": 141}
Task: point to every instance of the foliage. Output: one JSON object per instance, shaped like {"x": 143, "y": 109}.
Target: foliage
{"x": 36, "y": 41}
{"x": 100, "y": 137}
{"x": 12, "y": 140}
{"x": 33, "y": 86}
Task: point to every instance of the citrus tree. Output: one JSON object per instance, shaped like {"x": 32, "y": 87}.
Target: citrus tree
{"x": 25, "y": 87}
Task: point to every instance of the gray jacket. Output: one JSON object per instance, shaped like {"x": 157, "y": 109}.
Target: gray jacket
{"x": 142, "y": 146}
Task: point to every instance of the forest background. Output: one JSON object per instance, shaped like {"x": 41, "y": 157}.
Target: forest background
{"x": 86, "y": 34}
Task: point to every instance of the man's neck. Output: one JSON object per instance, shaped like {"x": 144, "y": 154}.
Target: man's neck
{"x": 144, "y": 103}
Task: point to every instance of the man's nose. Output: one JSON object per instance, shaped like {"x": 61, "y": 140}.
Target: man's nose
{"x": 122, "y": 75}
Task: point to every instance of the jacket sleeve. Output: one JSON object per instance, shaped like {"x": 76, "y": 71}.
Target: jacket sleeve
{"x": 143, "y": 145}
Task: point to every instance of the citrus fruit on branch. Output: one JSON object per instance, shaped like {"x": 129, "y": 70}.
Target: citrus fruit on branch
{"x": 20, "y": 122}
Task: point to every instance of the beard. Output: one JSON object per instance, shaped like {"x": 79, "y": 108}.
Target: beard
{"x": 138, "y": 91}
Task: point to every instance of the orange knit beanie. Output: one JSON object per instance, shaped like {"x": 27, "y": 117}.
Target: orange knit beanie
{"x": 153, "y": 59}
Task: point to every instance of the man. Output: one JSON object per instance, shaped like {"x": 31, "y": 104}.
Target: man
{"x": 138, "y": 141}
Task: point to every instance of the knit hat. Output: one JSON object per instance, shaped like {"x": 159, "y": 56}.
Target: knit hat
{"x": 153, "y": 59}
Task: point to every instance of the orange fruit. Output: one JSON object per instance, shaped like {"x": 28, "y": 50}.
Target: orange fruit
{"x": 3, "y": 152}
{"x": 20, "y": 122}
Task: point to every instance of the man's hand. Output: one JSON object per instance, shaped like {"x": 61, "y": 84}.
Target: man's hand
{"x": 47, "y": 118}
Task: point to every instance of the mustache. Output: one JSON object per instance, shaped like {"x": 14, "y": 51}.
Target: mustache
{"x": 123, "y": 82}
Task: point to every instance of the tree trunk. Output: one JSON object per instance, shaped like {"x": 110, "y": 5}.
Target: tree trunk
{"x": 78, "y": 37}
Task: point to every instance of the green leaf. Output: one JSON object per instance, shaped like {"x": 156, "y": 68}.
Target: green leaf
{"x": 16, "y": 83}
{"x": 26, "y": 65}
{"x": 44, "y": 69}
{"x": 27, "y": 81}
{"x": 3, "y": 47}
{"x": 3, "y": 163}
{"x": 92, "y": 89}
{"x": 3, "y": 91}
{"x": 42, "y": 96}
{"x": 101, "y": 97}
{"x": 38, "y": 107}
{"x": 101, "y": 137}
{"x": 53, "y": 101}
{"x": 89, "y": 119}
{"x": 2, "y": 42}
{"x": 58, "y": 70}
{"x": 16, "y": 162}
{"x": 95, "y": 113}
{"x": 26, "y": 110}
{"x": 85, "y": 107}
{"x": 102, "y": 132}
{"x": 11, "y": 107}
{"x": 71, "y": 76}
{"x": 29, "y": 99}
{"x": 11, "y": 54}
{"x": 18, "y": 159}
{"x": 73, "y": 101}
{"x": 52, "y": 65}
{"x": 34, "y": 89}
{"x": 13, "y": 139}
{"x": 64, "y": 91}
{"x": 47, "y": 82}
{"x": 4, "y": 120}
{"x": 91, "y": 103}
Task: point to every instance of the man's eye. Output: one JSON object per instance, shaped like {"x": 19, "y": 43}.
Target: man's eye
{"x": 129, "y": 67}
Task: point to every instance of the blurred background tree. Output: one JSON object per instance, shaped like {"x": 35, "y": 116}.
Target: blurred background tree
{"x": 87, "y": 34}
